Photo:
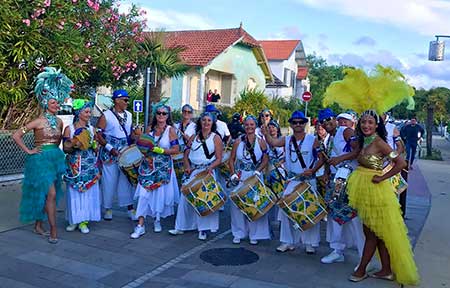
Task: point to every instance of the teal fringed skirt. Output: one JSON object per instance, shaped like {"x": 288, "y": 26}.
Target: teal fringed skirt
{"x": 41, "y": 171}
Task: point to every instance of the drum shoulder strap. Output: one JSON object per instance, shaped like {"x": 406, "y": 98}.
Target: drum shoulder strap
{"x": 298, "y": 152}
{"x": 205, "y": 147}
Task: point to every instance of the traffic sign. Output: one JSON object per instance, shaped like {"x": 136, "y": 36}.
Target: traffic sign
{"x": 137, "y": 106}
{"x": 306, "y": 96}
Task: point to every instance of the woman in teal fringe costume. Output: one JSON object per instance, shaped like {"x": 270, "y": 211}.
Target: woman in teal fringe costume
{"x": 45, "y": 164}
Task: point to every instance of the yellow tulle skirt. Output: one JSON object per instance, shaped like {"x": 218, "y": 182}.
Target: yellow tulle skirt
{"x": 379, "y": 210}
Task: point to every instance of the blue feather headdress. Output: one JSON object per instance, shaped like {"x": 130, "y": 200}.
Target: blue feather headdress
{"x": 52, "y": 84}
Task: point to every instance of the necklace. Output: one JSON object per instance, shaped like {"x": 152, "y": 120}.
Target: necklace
{"x": 369, "y": 139}
{"x": 52, "y": 120}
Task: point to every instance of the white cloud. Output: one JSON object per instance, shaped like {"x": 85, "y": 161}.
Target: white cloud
{"x": 172, "y": 20}
{"x": 418, "y": 71}
{"x": 427, "y": 17}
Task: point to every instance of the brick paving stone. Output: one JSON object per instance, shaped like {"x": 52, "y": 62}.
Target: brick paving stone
{"x": 65, "y": 265}
{"x": 205, "y": 277}
{"x": 6, "y": 282}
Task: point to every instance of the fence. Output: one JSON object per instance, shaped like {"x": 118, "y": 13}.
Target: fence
{"x": 12, "y": 158}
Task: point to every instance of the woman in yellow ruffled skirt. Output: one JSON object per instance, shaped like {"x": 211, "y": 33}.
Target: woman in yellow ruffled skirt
{"x": 372, "y": 195}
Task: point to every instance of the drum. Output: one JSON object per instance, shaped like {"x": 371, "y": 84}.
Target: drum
{"x": 304, "y": 207}
{"x": 337, "y": 199}
{"x": 253, "y": 198}
{"x": 145, "y": 143}
{"x": 397, "y": 180}
{"x": 204, "y": 194}
{"x": 129, "y": 160}
{"x": 179, "y": 167}
{"x": 275, "y": 180}
{"x": 224, "y": 170}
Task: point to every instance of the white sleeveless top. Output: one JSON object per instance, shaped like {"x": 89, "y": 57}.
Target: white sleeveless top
{"x": 113, "y": 127}
{"x": 197, "y": 154}
{"x": 292, "y": 163}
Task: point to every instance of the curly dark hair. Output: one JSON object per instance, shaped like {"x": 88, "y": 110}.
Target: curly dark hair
{"x": 381, "y": 129}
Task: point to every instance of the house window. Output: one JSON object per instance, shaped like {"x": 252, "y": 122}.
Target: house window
{"x": 285, "y": 76}
{"x": 292, "y": 79}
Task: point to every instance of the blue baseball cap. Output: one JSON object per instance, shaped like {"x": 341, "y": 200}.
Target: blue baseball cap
{"x": 325, "y": 114}
{"x": 298, "y": 115}
{"x": 211, "y": 108}
{"x": 120, "y": 94}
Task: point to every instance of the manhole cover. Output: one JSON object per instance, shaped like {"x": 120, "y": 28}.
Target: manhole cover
{"x": 229, "y": 256}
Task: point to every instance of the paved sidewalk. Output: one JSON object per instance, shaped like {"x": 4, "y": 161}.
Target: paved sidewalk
{"x": 433, "y": 246}
{"x": 107, "y": 257}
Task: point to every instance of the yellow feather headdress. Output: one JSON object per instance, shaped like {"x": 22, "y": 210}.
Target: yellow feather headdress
{"x": 380, "y": 90}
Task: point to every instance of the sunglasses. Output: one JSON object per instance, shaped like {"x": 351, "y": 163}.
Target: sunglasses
{"x": 298, "y": 122}
{"x": 124, "y": 99}
{"x": 187, "y": 111}
{"x": 161, "y": 113}
{"x": 325, "y": 120}
{"x": 266, "y": 115}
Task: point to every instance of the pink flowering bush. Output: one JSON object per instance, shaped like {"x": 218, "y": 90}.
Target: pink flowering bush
{"x": 81, "y": 37}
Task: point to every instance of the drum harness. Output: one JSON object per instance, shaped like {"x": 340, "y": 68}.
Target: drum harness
{"x": 299, "y": 177}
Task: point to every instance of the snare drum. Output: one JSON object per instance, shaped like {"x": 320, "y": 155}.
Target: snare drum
{"x": 275, "y": 180}
{"x": 337, "y": 199}
{"x": 224, "y": 170}
{"x": 397, "y": 181}
{"x": 129, "y": 161}
{"x": 178, "y": 166}
{"x": 253, "y": 198}
{"x": 204, "y": 194}
{"x": 304, "y": 207}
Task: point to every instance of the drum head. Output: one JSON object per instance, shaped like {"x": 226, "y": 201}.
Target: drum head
{"x": 130, "y": 156}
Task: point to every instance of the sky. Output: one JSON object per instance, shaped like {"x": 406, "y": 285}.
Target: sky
{"x": 360, "y": 33}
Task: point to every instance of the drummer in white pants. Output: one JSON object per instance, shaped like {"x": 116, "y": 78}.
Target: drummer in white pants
{"x": 248, "y": 158}
{"x": 204, "y": 153}
{"x": 300, "y": 156}
{"x": 349, "y": 234}
{"x": 115, "y": 128}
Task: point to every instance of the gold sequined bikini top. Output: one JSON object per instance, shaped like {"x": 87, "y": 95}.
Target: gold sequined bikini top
{"x": 371, "y": 161}
{"x": 47, "y": 135}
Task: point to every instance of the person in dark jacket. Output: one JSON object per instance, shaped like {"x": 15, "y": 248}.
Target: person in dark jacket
{"x": 410, "y": 134}
{"x": 235, "y": 127}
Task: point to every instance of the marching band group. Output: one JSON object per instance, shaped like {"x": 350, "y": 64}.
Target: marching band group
{"x": 334, "y": 175}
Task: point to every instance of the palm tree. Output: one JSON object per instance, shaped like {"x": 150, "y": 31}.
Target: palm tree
{"x": 166, "y": 60}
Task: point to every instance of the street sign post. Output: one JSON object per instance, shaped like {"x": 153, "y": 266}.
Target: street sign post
{"x": 306, "y": 97}
{"x": 137, "y": 108}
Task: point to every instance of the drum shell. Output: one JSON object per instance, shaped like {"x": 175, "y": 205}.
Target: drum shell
{"x": 196, "y": 187}
{"x": 130, "y": 168}
{"x": 316, "y": 207}
{"x": 265, "y": 202}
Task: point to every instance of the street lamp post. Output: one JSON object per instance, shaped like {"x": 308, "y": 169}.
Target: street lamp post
{"x": 436, "y": 50}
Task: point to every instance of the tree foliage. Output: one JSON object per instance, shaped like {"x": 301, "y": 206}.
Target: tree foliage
{"x": 320, "y": 75}
{"x": 90, "y": 40}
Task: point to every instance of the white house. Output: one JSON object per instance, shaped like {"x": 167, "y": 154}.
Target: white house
{"x": 287, "y": 62}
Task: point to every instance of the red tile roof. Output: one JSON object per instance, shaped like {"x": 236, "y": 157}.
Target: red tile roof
{"x": 302, "y": 73}
{"x": 202, "y": 46}
{"x": 278, "y": 49}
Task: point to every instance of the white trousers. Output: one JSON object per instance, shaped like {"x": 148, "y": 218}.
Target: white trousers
{"x": 291, "y": 235}
{"x": 115, "y": 182}
{"x": 242, "y": 228}
{"x": 346, "y": 236}
{"x": 188, "y": 219}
